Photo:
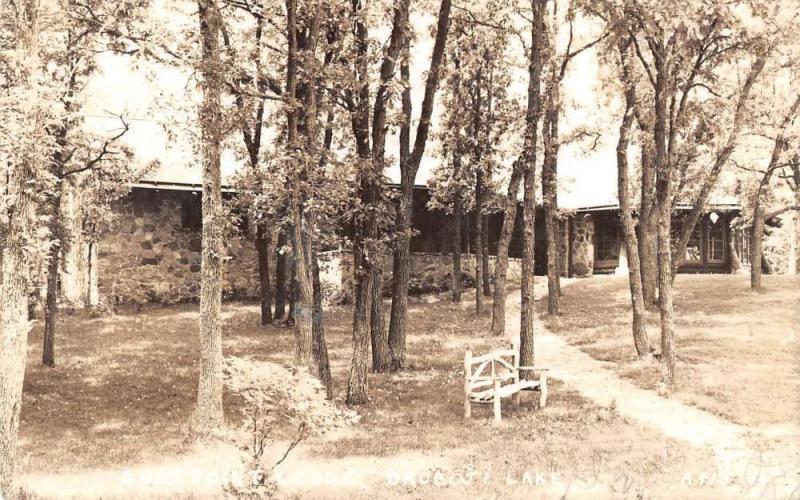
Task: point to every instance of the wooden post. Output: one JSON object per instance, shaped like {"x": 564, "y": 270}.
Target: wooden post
{"x": 543, "y": 389}
{"x": 496, "y": 403}
{"x": 467, "y": 376}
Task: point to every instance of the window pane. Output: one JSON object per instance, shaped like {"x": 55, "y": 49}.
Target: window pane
{"x": 716, "y": 242}
{"x": 607, "y": 243}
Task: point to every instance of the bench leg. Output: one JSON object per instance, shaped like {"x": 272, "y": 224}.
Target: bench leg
{"x": 516, "y": 398}
{"x": 467, "y": 408}
{"x": 543, "y": 389}
{"x": 496, "y": 403}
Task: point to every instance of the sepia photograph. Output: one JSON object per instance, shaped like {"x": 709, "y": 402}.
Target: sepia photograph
{"x": 400, "y": 249}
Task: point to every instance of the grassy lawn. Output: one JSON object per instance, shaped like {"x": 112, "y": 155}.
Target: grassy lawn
{"x": 737, "y": 350}
{"x": 124, "y": 387}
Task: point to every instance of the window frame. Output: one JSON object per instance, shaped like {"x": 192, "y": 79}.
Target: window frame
{"x": 709, "y": 241}
{"x": 608, "y": 222}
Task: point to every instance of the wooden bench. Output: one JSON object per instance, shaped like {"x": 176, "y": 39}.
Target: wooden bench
{"x": 491, "y": 377}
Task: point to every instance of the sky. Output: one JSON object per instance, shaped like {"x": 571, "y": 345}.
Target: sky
{"x": 586, "y": 177}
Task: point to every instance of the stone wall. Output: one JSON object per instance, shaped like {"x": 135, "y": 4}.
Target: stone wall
{"x": 583, "y": 246}
{"x": 152, "y": 253}
{"x": 429, "y": 272}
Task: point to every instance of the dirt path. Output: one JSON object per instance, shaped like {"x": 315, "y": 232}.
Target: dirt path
{"x": 741, "y": 469}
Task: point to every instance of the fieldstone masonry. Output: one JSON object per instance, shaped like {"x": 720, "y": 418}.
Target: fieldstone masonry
{"x": 150, "y": 256}
{"x": 583, "y": 246}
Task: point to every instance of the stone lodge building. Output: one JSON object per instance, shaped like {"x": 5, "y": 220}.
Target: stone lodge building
{"x": 151, "y": 253}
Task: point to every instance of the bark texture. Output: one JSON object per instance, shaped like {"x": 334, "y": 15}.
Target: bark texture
{"x": 357, "y": 386}
{"x": 208, "y": 412}
{"x": 532, "y": 117}
{"x": 318, "y": 333}
{"x": 262, "y": 243}
{"x": 664, "y": 198}
{"x": 381, "y": 355}
{"x": 477, "y": 224}
{"x": 14, "y": 277}
{"x": 487, "y": 282}
{"x": 458, "y": 217}
{"x": 280, "y": 276}
{"x": 53, "y": 267}
{"x": 648, "y": 226}
{"x": 640, "y": 338}
{"x": 402, "y": 252}
{"x": 501, "y": 263}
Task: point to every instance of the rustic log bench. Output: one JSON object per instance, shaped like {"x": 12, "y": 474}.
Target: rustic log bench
{"x": 491, "y": 377}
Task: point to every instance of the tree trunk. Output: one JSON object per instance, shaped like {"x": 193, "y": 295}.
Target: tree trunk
{"x": 280, "y": 276}
{"x": 478, "y": 241}
{"x": 292, "y": 290}
{"x": 14, "y": 329}
{"x": 640, "y": 339}
{"x": 397, "y": 337}
{"x": 551, "y": 231}
{"x": 208, "y": 413}
{"x": 550, "y": 192}
{"x": 357, "y": 386}
{"x": 487, "y": 286}
{"x": 51, "y": 307}
{"x": 648, "y": 229}
{"x": 53, "y": 268}
{"x": 533, "y": 113}
{"x": 381, "y": 355}
{"x": 664, "y": 210}
{"x": 756, "y": 247}
{"x": 14, "y": 277}
{"x": 265, "y": 288}
{"x": 318, "y": 332}
{"x": 501, "y": 263}
{"x": 457, "y": 221}
{"x": 304, "y": 306}
{"x": 402, "y": 252}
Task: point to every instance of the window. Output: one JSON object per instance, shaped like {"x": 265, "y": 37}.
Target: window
{"x": 191, "y": 211}
{"x": 693, "y": 247}
{"x": 716, "y": 241}
{"x": 606, "y": 240}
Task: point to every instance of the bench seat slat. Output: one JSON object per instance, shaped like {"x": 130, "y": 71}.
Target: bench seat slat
{"x": 504, "y": 391}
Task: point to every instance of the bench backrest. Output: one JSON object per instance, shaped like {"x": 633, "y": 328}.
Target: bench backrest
{"x": 480, "y": 372}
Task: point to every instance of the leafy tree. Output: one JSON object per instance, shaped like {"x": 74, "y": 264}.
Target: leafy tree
{"x": 767, "y": 165}
{"x": 410, "y": 159}
{"x": 82, "y": 160}
{"x": 252, "y": 82}
{"x": 478, "y": 116}
{"x": 370, "y": 142}
{"x": 685, "y": 60}
{"x": 557, "y": 61}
